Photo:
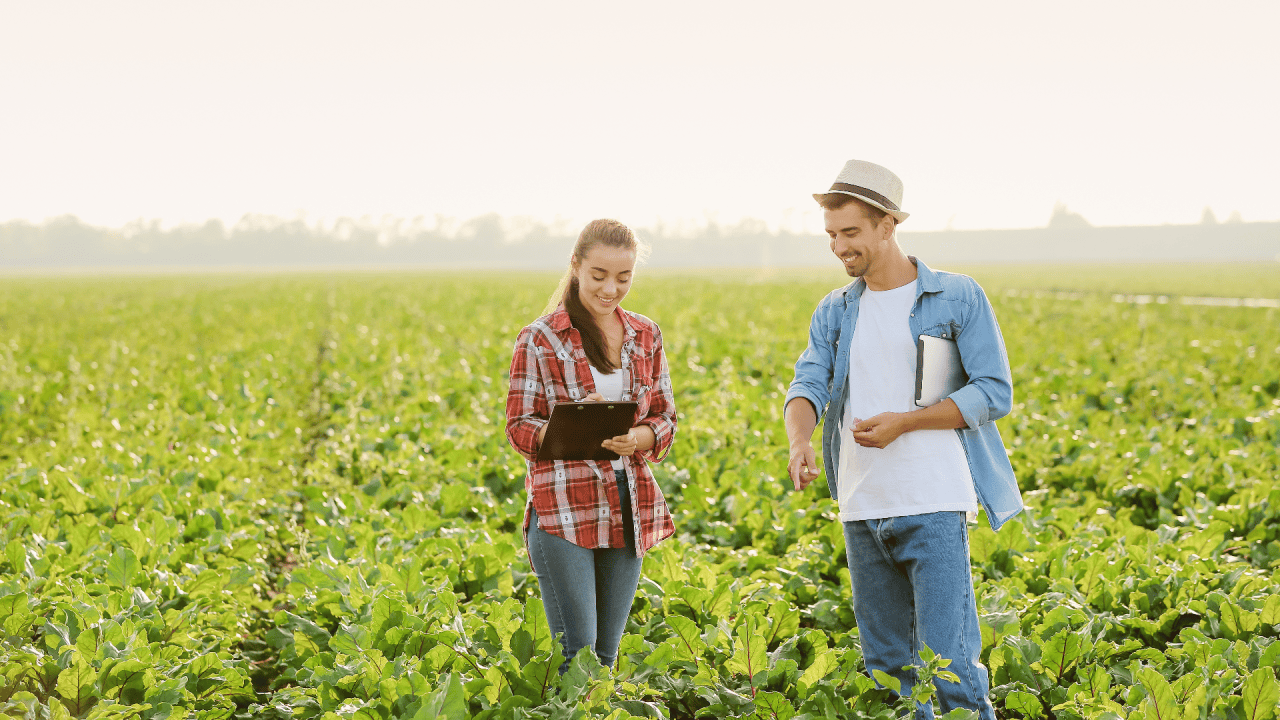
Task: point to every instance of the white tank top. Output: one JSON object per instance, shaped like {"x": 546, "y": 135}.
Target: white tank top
{"x": 610, "y": 386}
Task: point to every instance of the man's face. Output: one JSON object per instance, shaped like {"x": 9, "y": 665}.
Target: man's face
{"x": 856, "y": 239}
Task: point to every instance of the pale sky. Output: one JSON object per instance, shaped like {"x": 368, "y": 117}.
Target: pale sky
{"x": 1128, "y": 112}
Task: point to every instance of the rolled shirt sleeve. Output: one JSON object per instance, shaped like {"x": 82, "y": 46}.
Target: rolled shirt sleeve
{"x": 816, "y": 366}
{"x": 527, "y": 407}
{"x": 988, "y": 395}
{"x": 662, "y": 406}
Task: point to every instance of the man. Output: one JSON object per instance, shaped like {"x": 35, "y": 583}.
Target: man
{"x": 906, "y": 478}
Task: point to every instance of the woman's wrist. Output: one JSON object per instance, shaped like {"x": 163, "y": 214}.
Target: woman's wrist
{"x": 645, "y": 437}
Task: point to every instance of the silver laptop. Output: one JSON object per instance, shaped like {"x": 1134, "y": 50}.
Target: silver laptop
{"x": 939, "y": 371}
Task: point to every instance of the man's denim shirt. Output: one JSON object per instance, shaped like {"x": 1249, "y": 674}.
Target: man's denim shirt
{"x": 948, "y": 306}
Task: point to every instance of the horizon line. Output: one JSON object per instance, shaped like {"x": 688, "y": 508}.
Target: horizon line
{"x": 1072, "y": 223}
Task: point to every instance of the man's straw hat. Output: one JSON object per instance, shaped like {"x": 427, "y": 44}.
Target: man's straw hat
{"x": 871, "y": 183}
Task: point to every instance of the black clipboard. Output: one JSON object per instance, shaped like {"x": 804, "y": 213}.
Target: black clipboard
{"x": 576, "y": 430}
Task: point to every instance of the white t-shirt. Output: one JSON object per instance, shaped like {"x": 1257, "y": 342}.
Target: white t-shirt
{"x": 610, "y": 386}
{"x": 922, "y": 471}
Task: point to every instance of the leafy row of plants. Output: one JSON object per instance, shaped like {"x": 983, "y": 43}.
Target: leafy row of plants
{"x": 291, "y": 497}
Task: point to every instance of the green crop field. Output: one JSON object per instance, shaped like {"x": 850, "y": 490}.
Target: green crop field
{"x": 290, "y": 496}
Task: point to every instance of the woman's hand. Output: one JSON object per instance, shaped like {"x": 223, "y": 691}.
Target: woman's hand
{"x": 622, "y": 444}
{"x": 638, "y": 439}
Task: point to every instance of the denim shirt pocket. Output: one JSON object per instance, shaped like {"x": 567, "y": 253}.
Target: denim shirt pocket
{"x": 947, "y": 330}
{"x": 832, "y": 334}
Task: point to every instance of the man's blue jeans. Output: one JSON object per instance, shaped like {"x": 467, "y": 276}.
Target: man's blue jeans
{"x": 911, "y": 586}
{"x": 587, "y": 592}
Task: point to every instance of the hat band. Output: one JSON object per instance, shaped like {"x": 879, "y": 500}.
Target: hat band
{"x": 870, "y": 194}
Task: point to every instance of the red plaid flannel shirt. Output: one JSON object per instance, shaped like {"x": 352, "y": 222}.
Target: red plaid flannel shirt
{"x": 578, "y": 499}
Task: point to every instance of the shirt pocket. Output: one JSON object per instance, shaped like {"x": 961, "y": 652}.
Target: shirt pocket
{"x": 561, "y": 389}
{"x": 947, "y": 330}
{"x": 640, "y": 393}
{"x": 641, "y": 369}
{"x": 832, "y": 334}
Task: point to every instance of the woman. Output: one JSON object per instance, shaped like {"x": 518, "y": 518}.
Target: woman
{"x": 588, "y": 524}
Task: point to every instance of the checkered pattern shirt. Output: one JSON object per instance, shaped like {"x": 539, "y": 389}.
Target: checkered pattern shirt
{"x": 578, "y": 499}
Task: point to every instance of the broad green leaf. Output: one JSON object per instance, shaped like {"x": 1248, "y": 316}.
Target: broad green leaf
{"x": 540, "y": 676}
{"x": 1205, "y": 542}
{"x": 77, "y": 684}
{"x": 504, "y": 619}
{"x": 122, "y": 568}
{"x": 822, "y": 666}
{"x": 785, "y": 621}
{"x": 690, "y": 646}
{"x": 887, "y": 680}
{"x": 1271, "y": 610}
{"x": 58, "y": 710}
{"x": 344, "y": 643}
{"x": 16, "y": 553}
{"x": 576, "y": 681}
{"x": 1160, "y": 703}
{"x": 1025, "y": 703}
{"x": 671, "y": 569}
{"x": 1271, "y": 656}
{"x": 87, "y": 643}
{"x": 56, "y": 635}
{"x": 722, "y": 599}
{"x": 1260, "y": 694}
{"x": 126, "y": 674}
{"x": 695, "y": 597}
{"x": 522, "y": 645}
{"x": 72, "y": 495}
{"x": 749, "y": 650}
{"x": 1238, "y": 621}
{"x": 1061, "y": 652}
{"x": 448, "y": 703}
{"x": 535, "y": 623}
{"x": 773, "y": 706}
{"x": 663, "y": 655}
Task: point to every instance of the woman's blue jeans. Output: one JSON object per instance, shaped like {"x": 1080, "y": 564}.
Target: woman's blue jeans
{"x": 587, "y": 592}
{"x": 911, "y": 586}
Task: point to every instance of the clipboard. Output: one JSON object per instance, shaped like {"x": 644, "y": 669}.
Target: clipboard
{"x": 576, "y": 429}
{"x": 939, "y": 371}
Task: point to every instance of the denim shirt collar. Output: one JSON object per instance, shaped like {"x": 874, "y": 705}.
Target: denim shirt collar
{"x": 926, "y": 282}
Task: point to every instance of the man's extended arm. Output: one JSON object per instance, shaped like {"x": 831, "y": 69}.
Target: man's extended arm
{"x": 801, "y": 419}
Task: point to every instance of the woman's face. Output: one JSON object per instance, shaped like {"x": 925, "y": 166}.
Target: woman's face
{"x": 604, "y": 277}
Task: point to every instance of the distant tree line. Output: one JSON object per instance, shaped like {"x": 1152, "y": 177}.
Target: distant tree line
{"x": 487, "y": 240}
{"x": 491, "y": 241}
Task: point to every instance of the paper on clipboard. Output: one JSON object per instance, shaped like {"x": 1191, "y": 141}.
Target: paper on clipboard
{"x": 939, "y": 371}
{"x": 576, "y": 429}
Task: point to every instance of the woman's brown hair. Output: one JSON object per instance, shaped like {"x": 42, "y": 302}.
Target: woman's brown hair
{"x": 610, "y": 233}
